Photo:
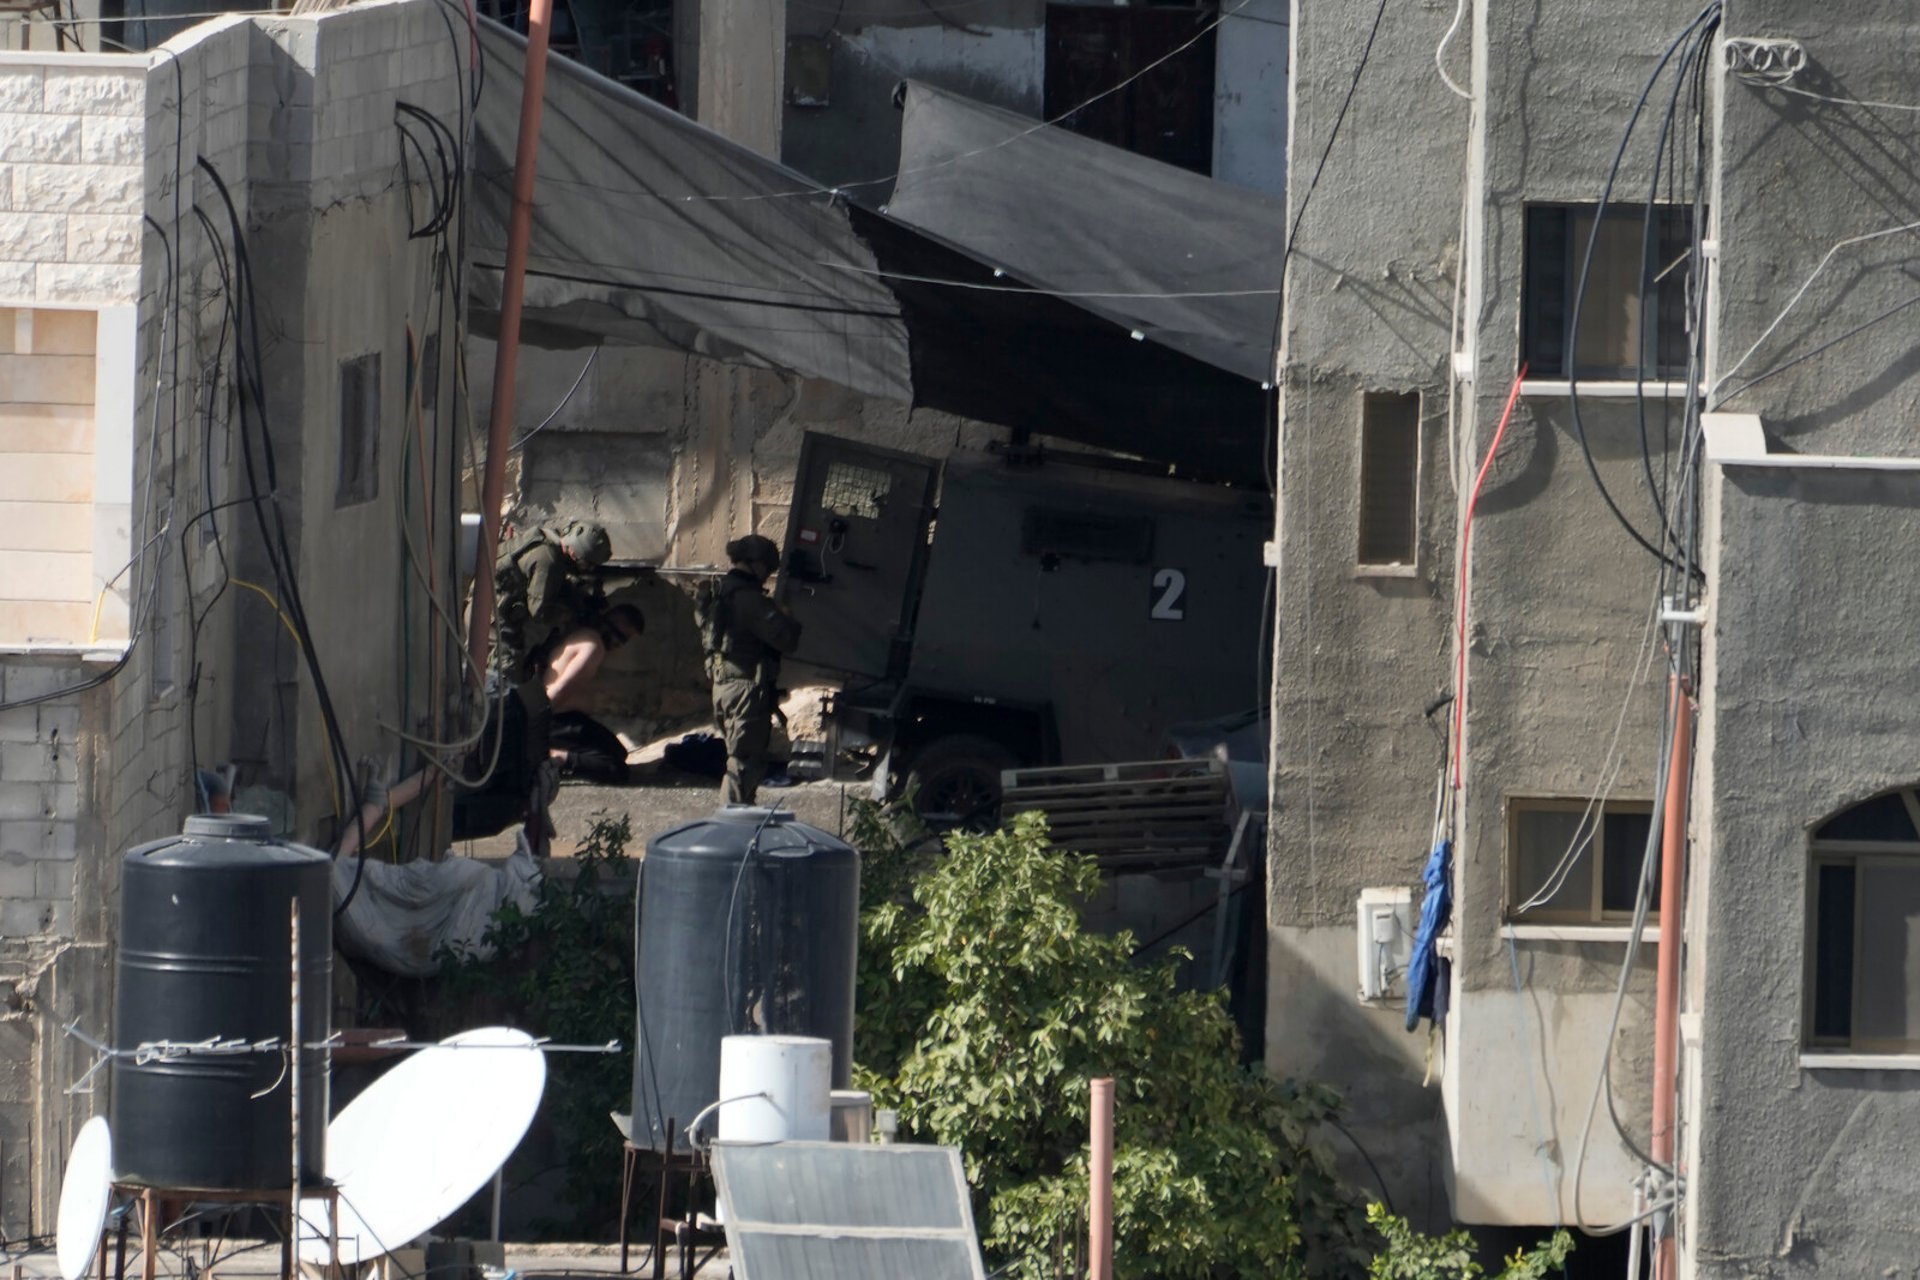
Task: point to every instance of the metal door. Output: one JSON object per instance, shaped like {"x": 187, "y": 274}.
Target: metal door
{"x": 856, "y": 552}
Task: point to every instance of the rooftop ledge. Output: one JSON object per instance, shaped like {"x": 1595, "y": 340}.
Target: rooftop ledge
{"x": 1736, "y": 440}
{"x": 62, "y": 58}
{"x": 85, "y": 652}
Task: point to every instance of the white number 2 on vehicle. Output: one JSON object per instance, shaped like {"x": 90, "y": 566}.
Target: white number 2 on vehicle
{"x": 1169, "y": 595}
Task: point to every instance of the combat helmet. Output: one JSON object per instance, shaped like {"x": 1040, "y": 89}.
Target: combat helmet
{"x": 587, "y": 542}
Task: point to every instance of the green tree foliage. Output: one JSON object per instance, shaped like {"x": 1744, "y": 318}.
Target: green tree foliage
{"x": 1409, "y": 1255}
{"x": 564, "y": 970}
{"x": 985, "y": 1011}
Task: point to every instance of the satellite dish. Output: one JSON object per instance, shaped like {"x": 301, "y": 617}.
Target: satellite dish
{"x": 85, "y": 1195}
{"x": 423, "y": 1139}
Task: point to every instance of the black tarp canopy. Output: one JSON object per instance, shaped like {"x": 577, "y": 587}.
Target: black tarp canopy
{"x": 650, "y": 229}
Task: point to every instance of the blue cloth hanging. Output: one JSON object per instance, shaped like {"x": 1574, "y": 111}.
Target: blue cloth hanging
{"x": 1428, "y": 979}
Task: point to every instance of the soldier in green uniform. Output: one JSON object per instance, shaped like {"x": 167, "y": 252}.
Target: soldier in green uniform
{"x": 538, "y": 589}
{"x": 745, "y": 634}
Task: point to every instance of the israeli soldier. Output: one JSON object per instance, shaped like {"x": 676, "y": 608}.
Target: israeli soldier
{"x": 539, "y": 588}
{"x": 745, "y": 634}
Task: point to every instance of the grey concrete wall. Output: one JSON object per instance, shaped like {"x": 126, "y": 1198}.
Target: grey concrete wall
{"x": 1796, "y": 1171}
{"x": 1359, "y": 655}
{"x": 1558, "y": 600}
{"x": 1797, "y": 176}
{"x": 298, "y": 117}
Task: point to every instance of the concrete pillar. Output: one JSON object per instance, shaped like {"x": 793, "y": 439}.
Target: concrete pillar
{"x": 742, "y": 70}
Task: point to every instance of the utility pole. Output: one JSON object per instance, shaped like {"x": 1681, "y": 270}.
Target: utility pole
{"x": 513, "y": 290}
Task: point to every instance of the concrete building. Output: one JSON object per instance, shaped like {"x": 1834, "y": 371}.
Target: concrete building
{"x": 1438, "y": 256}
{"x": 143, "y": 635}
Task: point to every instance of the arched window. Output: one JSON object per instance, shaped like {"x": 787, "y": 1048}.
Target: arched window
{"x": 1863, "y": 925}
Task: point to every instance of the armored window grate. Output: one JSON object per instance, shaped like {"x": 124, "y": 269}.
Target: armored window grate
{"x": 852, "y": 490}
{"x": 1389, "y": 479}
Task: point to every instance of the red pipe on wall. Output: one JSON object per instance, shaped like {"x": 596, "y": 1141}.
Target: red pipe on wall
{"x": 513, "y": 290}
{"x": 1460, "y": 586}
{"x": 1100, "y": 1192}
{"x": 1666, "y": 1016}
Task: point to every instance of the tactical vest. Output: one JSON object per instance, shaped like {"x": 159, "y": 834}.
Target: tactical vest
{"x": 509, "y": 579}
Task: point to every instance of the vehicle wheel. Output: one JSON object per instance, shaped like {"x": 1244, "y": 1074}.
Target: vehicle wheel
{"x": 956, "y": 782}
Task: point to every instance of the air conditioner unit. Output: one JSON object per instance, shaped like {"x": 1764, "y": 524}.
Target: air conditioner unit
{"x": 1385, "y": 942}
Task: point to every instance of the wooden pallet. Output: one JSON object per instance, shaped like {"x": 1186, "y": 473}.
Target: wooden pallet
{"x": 1138, "y": 816}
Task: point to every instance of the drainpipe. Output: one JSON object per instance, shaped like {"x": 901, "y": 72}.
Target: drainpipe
{"x": 1100, "y": 1189}
{"x": 1666, "y": 1019}
{"x": 513, "y": 288}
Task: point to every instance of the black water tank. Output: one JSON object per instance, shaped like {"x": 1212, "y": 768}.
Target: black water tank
{"x": 205, "y": 953}
{"x": 748, "y": 923}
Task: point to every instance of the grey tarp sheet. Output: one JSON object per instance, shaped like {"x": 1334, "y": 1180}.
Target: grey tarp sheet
{"x": 652, "y": 230}
{"x": 1070, "y": 214}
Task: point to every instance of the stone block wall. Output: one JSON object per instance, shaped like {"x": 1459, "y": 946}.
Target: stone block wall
{"x": 53, "y": 870}
{"x": 72, "y": 130}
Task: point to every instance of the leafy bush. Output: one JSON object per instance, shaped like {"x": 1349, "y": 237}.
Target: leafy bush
{"x": 1409, "y": 1255}
{"x": 565, "y": 970}
{"x": 985, "y": 1011}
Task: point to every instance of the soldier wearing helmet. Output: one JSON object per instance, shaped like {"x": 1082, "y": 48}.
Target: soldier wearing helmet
{"x": 745, "y": 634}
{"x": 540, "y": 588}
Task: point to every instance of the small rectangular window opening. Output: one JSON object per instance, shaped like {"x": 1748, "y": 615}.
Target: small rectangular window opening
{"x": 1632, "y": 316}
{"x": 1389, "y": 479}
{"x": 359, "y": 479}
{"x": 1567, "y": 865}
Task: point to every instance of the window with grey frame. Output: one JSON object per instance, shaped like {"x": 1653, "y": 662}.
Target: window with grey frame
{"x": 359, "y": 475}
{"x": 1572, "y": 862}
{"x": 1389, "y": 480}
{"x": 1863, "y": 928}
{"x": 1632, "y": 318}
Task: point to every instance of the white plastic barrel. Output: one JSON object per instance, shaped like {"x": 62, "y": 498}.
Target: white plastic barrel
{"x": 796, "y": 1075}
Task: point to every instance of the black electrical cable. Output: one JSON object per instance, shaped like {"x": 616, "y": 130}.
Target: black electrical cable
{"x": 196, "y": 619}
{"x": 275, "y": 541}
{"x": 1353, "y": 86}
{"x": 1651, "y": 271}
{"x": 1386, "y": 1196}
{"x": 1710, "y": 16}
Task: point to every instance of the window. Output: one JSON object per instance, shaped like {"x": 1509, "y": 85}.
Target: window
{"x": 852, "y": 490}
{"x": 1389, "y": 479}
{"x": 1633, "y": 316}
{"x": 1554, "y": 876}
{"x": 1119, "y": 74}
{"x": 359, "y": 430}
{"x": 1863, "y": 921}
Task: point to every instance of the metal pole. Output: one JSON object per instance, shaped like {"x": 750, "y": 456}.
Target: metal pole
{"x": 293, "y": 1093}
{"x": 513, "y": 288}
{"x": 1100, "y": 1194}
{"x": 1666, "y": 1021}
